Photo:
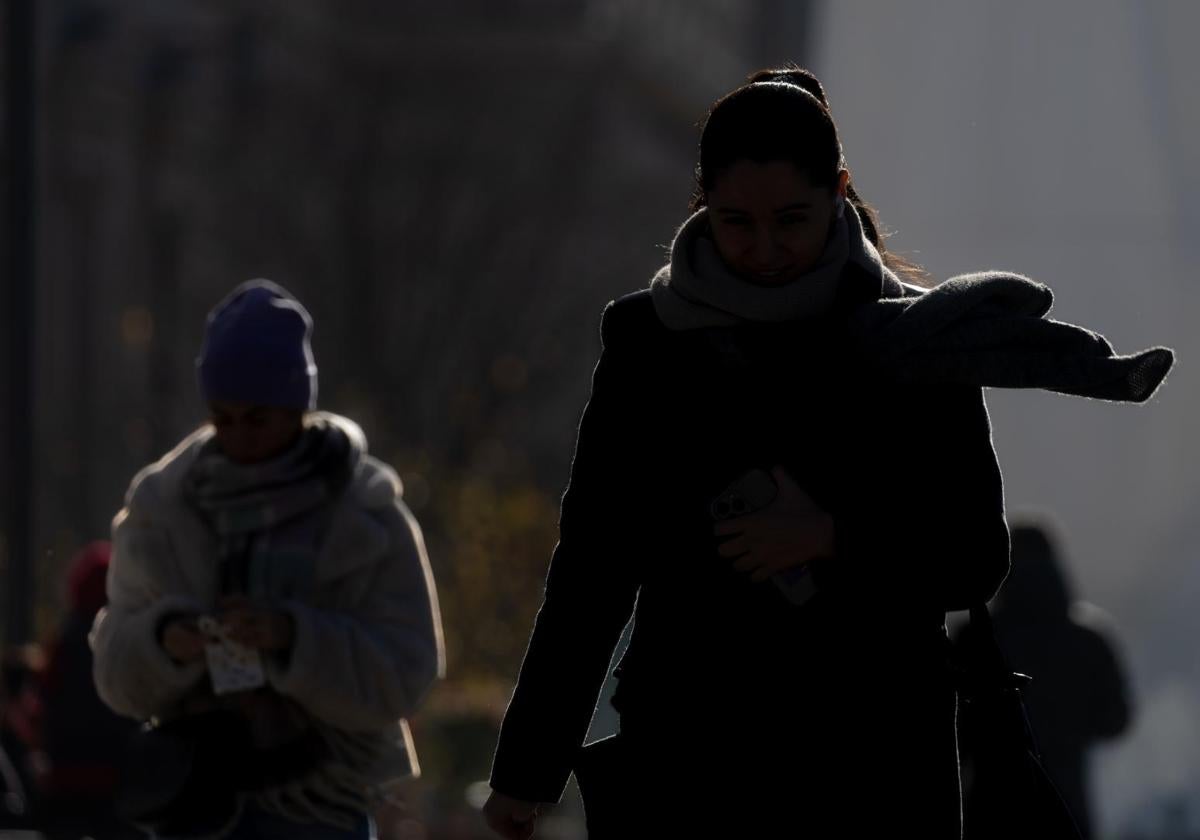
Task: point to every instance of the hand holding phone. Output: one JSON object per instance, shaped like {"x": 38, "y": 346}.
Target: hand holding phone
{"x": 232, "y": 666}
{"x": 256, "y": 625}
{"x": 773, "y": 528}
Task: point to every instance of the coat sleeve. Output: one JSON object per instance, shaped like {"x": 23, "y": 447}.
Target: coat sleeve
{"x": 590, "y": 590}
{"x": 133, "y": 673}
{"x": 935, "y": 531}
{"x": 365, "y": 669}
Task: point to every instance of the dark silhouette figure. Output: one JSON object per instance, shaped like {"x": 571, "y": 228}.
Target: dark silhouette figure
{"x": 83, "y": 738}
{"x": 720, "y": 458}
{"x": 785, "y": 475}
{"x": 1078, "y": 695}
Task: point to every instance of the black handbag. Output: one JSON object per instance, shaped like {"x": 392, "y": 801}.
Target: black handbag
{"x": 187, "y": 775}
{"x": 1007, "y": 790}
{"x": 184, "y": 776}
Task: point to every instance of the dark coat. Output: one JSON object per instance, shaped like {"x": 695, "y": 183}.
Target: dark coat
{"x": 726, "y": 687}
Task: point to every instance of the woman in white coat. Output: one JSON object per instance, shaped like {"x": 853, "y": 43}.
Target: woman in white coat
{"x": 270, "y": 529}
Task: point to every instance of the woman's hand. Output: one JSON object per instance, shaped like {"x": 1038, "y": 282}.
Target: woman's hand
{"x": 182, "y": 640}
{"x": 513, "y": 819}
{"x": 791, "y": 531}
{"x": 256, "y": 626}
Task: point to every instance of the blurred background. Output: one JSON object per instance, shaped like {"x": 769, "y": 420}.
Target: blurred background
{"x": 455, "y": 190}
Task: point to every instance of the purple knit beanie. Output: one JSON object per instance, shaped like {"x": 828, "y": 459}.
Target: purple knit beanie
{"x": 256, "y": 349}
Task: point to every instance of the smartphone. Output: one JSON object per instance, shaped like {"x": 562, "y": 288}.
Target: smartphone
{"x": 750, "y": 492}
{"x": 232, "y": 666}
{"x": 753, "y": 491}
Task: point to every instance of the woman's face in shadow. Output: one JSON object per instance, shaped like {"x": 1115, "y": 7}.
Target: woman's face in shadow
{"x": 248, "y": 434}
{"x": 769, "y": 222}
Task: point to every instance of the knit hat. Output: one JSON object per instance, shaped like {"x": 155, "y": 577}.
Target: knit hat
{"x": 256, "y": 349}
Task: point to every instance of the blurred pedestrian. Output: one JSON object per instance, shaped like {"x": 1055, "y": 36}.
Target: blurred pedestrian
{"x": 785, "y": 474}
{"x": 270, "y": 602}
{"x": 21, "y": 760}
{"x": 1078, "y": 696}
{"x": 82, "y": 737}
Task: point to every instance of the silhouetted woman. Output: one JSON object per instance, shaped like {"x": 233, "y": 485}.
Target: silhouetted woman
{"x": 785, "y": 475}
{"x": 740, "y": 706}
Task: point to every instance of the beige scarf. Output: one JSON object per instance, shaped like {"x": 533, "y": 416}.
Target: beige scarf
{"x": 696, "y": 289}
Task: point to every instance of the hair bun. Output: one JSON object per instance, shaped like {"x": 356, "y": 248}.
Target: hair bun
{"x": 793, "y": 75}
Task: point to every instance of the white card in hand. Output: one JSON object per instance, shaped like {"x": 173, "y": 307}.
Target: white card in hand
{"x": 231, "y": 665}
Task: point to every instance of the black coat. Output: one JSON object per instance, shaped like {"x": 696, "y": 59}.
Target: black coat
{"x": 727, "y": 687}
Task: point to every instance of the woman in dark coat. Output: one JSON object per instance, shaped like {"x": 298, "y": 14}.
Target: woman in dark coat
{"x": 785, "y": 675}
